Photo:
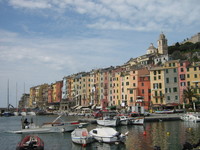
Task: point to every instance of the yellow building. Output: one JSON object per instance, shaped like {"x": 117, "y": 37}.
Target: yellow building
{"x": 193, "y": 77}
{"x": 157, "y": 86}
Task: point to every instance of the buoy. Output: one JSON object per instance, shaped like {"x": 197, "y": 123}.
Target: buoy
{"x": 144, "y": 133}
{"x": 168, "y": 133}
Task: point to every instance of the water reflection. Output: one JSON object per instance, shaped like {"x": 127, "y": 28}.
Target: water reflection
{"x": 169, "y": 135}
{"x": 100, "y": 146}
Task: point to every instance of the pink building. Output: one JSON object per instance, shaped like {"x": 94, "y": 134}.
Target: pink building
{"x": 182, "y": 72}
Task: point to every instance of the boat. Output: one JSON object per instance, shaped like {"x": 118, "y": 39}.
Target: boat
{"x": 7, "y": 114}
{"x": 195, "y": 117}
{"x": 49, "y": 127}
{"x": 124, "y": 120}
{"x": 164, "y": 111}
{"x": 109, "y": 119}
{"x": 31, "y": 142}
{"x": 137, "y": 120}
{"x": 108, "y": 135}
{"x": 81, "y": 136}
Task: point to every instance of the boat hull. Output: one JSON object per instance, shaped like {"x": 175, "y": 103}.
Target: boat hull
{"x": 108, "y": 123}
{"x": 137, "y": 121}
{"x": 50, "y": 129}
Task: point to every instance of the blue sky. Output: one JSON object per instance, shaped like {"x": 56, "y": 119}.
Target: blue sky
{"x": 41, "y": 41}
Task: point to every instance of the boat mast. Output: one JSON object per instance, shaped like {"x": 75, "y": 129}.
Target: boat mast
{"x": 16, "y": 94}
{"x": 8, "y": 95}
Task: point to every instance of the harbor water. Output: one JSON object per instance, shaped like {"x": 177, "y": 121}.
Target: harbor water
{"x": 168, "y": 135}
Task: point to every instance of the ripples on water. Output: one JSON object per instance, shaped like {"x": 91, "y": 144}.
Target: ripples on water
{"x": 169, "y": 135}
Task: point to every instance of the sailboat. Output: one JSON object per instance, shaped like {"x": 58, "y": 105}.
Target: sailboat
{"x": 8, "y": 113}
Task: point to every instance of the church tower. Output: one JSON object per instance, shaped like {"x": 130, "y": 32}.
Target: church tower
{"x": 162, "y": 45}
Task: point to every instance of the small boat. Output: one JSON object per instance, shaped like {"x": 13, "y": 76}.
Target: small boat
{"x": 51, "y": 127}
{"x": 108, "y": 122}
{"x": 7, "y": 114}
{"x": 31, "y": 142}
{"x": 137, "y": 120}
{"x": 108, "y": 135}
{"x": 81, "y": 136}
{"x": 195, "y": 117}
{"x": 108, "y": 119}
{"x": 124, "y": 120}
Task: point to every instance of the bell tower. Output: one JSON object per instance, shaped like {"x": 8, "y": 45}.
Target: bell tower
{"x": 162, "y": 45}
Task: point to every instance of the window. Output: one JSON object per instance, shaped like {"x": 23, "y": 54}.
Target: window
{"x": 159, "y": 77}
{"x": 188, "y": 75}
{"x": 156, "y": 93}
{"x": 154, "y": 72}
{"x": 133, "y": 78}
{"x": 154, "y": 78}
{"x": 175, "y": 79}
{"x": 142, "y": 84}
{"x": 182, "y": 69}
{"x": 168, "y": 97}
{"x": 182, "y": 83}
{"x": 142, "y": 91}
{"x": 176, "y": 97}
{"x": 134, "y": 84}
{"x": 167, "y": 70}
{"x": 149, "y": 90}
{"x": 131, "y": 91}
{"x": 131, "y": 99}
{"x": 170, "y": 64}
{"x": 182, "y": 76}
{"x": 181, "y": 64}
{"x": 174, "y": 64}
{"x": 188, "y": 83}
{"x": 174, "y": 89}
{"x": 174, "y": 70}
{"x": 195, "y": 68}
{"x": 195, "y": 75}
{"x": 169, "y": 90}
{"x": 167, "y": 80}
{"x": 188, "y": 69}
{"x": 160, "y": 85}
{"x": 159, "y": 71}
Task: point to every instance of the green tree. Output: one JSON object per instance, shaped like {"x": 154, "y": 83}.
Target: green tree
{"x": 188, "y": 95}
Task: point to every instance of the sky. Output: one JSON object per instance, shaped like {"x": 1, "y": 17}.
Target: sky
{"x": 41, "y": 41}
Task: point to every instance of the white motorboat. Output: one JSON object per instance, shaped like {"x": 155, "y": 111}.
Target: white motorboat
{"x": 81, "y": 136}
{"x": 124, "y": 120}
{"x": 108, "y": 135}
{"x": 108, "y": 122}
{"x": 31, "y": 113}
{"x": 50, "y": 127}
{"x": 195, "y": 117}
{"x": 137, "y": 120}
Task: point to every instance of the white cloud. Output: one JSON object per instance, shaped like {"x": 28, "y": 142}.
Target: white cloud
{"x": 125, "y": 13}
{"x": 30, "y": 4}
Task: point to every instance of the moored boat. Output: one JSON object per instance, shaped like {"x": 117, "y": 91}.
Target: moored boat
{"x": 124, "y": 120}
{"x": 51, "y": 127}
{"x": 137, "y": 120}
{"x": 195, "y": 117}
{"x": 81, "y": 136}
{"x": 31, "y": 142}
{"x": 108, "y": 135}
